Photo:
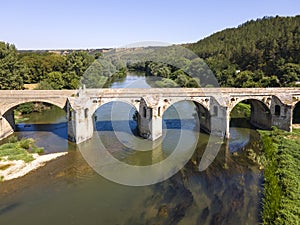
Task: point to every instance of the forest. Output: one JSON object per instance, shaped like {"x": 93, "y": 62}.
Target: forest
{"x": 258, "y": 53}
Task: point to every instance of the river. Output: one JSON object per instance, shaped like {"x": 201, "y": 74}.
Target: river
{"x": 69, "y": 191}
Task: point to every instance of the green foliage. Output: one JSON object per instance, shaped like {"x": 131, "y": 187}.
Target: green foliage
{"x": 52, "y": 81}
{"x": 174, "y": 77}
{"x": 38, "y": 150}
{"x": 25, "y": 108}
{"x": 166, "y": 83}
{"x": 26, "y": 143}
{"x": 269, "y": 47}
{"x": 281, "y": 203}
{"x": 99, "y": 73}
{"x": 40, "y": 64}
{"x": 193, "y": 83}
{"x": 70, "y": 80}
{"x": 53, "y": 71}
{"x": 14, "y": 152}
{"x": 20, "y": 150}
{"x": 78, "y": 61}
{"x": 241, "y": 110}
{"x": 29, "y": 107}
{"x": 12, "y": 139}
{"x": 11, "y": 69}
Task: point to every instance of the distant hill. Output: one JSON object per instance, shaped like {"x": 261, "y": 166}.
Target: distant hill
{"x": 265, "y": 51}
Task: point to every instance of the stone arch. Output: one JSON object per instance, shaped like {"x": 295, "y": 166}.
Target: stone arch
{"x": 166, "y": 103}
{"x": 7, "y": 120}
{"x": 260, "y": 115}
{"x": 236, "y": 100}
{"x": 14, "y": 104}
{"x": 94, "y": 110}
{"x": 203, "y": 113}
{"x": 107, "y": 101}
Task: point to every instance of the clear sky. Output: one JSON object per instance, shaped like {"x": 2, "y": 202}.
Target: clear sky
{"x": 63, "y": 24}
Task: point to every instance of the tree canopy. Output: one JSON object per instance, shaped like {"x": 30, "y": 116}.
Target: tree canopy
{"x": 266, "y": 51}
{"x": 12, "y": 70}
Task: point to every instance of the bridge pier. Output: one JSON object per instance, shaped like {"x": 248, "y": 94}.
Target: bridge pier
{"x": 149, "y": 121}
{"x": 220, "y": 121}
{"x": 282, "y": 115}
{"x": 80, "y": 124}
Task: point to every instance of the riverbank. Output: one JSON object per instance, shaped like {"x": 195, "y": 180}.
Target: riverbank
{"x": 11, "y": 169}
{"x": 281, "y": 203}
{"x": 19, "y": 157}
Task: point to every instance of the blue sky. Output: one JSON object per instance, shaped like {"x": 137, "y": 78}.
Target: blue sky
{"x": 63, "y": 24}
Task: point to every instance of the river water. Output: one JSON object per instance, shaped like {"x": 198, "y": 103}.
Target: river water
{"x": 69, "y": 191}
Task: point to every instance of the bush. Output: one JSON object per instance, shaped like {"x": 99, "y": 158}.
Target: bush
{"x": 13, "y": 139}
{"x": 36, "y": 149}
{"x": 25, "y": 108}
{"x": 26, "y": 143}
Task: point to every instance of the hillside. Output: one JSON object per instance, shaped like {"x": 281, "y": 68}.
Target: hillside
{"x": 266, "y": 51}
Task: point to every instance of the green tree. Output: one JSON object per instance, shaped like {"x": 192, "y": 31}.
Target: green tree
{"x": 193, "y": 83}
{"x": 11, "y": 69}
{"x": 70, "y": 80}
{"x": 54, "y": 80}
{"x": 40, "y": 64}
{"x": 78, "y": 61}
{"x": 182, "y": 80}
{"x": 289, "y": 73}
{"x": 270, "y": 45}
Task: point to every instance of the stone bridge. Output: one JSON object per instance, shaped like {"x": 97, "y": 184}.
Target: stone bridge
{"x": 269, "y": 107}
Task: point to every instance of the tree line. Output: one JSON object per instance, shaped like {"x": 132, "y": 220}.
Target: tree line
{"x": 49, "y": 70}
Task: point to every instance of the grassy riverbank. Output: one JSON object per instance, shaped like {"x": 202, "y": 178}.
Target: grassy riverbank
{"x": 19, "y": 150}
{"x": 281, "y": 202}
{"x": 19, "y": 157}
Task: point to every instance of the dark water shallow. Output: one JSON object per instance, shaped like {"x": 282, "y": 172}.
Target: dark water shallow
{"x": 69, "y": 191}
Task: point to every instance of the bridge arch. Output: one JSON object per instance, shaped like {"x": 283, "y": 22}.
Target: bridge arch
{"x": 166, "y": 103}
{"x": 260, "y": 112}
{"x": 266, "y": 101}
{"x": 134, "y": 104}
{"x": 121, "y": 118}
{"x": 12, "y": 105}
{"x": 7, "y": 118}
{"x": 203, "y": 114}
